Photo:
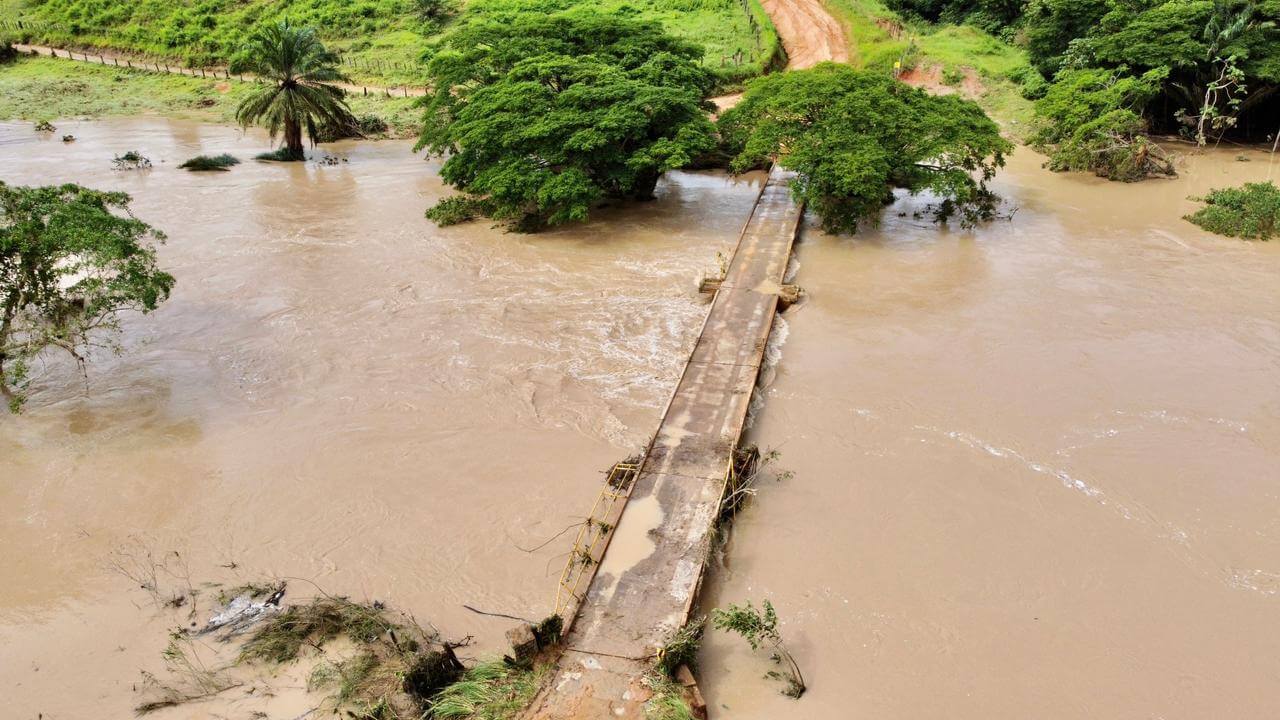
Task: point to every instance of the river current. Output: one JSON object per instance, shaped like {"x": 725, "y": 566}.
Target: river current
{"x": 1036, "y": 464}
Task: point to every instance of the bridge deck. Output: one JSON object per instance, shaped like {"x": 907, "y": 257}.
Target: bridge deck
{"x": 648, "y": 578}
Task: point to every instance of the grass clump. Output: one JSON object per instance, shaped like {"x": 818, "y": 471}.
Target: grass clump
{"x": 8, "y": 53}
{"x": 283, "y": 154}
{"x": 132, "y": 160}
{"x": 492, "y": 690}
{"x": 395, "y": 672}
{"x": 681, "y": 649}
{"x": 458, "y": 209}
{"x": 1251, "y": 211}
{"x": 281, "y": 637}
{"x": 215, "y": 163}
{"x": 667, "y": 702}
{"x": 550, "y": 631}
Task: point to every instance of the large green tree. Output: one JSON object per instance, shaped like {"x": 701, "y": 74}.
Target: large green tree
{"x": 71, "y": 259}
{"x": 298, "y": 93}
{"x": 854, "y": 136}
{"x": 1218, "y": 61}
{"x": 542, "y": 116}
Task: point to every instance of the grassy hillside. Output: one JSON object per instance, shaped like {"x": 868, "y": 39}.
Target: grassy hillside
{"x": 381, "y": 41}
{"x": 379, "y": 37}
{"x": 46, "y": 89}
{"x": 957, "y": 55}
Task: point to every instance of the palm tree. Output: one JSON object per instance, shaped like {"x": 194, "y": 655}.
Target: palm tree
{"x": 297, "y": 94}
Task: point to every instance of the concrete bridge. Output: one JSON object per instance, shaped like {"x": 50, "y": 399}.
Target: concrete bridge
{"x": 635, "y": 574}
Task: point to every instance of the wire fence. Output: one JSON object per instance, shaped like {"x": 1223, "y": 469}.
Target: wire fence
{"x": 213, "y": 73}
{"x": 28, "y": 28}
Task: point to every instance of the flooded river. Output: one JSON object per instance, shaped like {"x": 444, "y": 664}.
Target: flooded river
{"x": 337, "y": 391}
{"x": 1037, "y": 465}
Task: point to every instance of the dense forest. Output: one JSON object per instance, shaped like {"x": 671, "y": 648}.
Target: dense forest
{"x": 1106, "y": 72}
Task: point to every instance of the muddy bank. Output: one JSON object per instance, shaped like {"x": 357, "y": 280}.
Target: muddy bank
{"x": 336, "y": 391}
{"x": 1036, "y": 466}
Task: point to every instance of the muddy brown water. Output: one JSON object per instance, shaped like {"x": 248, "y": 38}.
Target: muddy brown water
{"x": 1037, "y": 465}
{"x": 337, "y": 391}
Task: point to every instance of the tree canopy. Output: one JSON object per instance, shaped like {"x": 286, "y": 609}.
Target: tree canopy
{"x": 1212, "y": 66}
{"x": 854, "y": 136}
{"x": 541, "y": 116}
{"x": 71, "y": 259}
{"x": 299, "y": 92}
{"x": 1091, "y": 121}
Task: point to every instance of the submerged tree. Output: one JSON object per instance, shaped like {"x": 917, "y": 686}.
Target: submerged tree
{"x": 854, "y": 136}
{"x": 1091, "y": 120}
{"x": 1251, "y": 211}
{"x": 759, "y": 627}
{"x": 71, "y": 259}
{"x": 298, "y": 92}
{"x": 541, "y": 116}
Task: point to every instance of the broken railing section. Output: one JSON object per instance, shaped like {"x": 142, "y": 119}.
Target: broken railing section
{"x": 593, "y": 538}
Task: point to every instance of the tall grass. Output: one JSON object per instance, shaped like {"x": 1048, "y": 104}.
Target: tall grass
{"x": 489, "y": 691}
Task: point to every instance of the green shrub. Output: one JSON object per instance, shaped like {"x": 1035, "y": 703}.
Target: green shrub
{"x": 215, "y": 163}
{"x": 1089, "y": 121}
{"x": 283, "y": 154}
{"x": 1032, "y": 84}
{"x": 370, "y": 124}
{"x": 1251, "y": 211}
{"x": 489, "y": 691}
{"x": 457, "y": 209}
{"x": 8, "y": 53}
{"x": 132, "y": 160}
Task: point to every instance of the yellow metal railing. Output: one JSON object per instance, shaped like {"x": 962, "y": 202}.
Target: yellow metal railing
{"x": 593, "y": 537}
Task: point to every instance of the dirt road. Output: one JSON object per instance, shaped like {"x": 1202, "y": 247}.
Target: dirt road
{"x": 809, "y": 33}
